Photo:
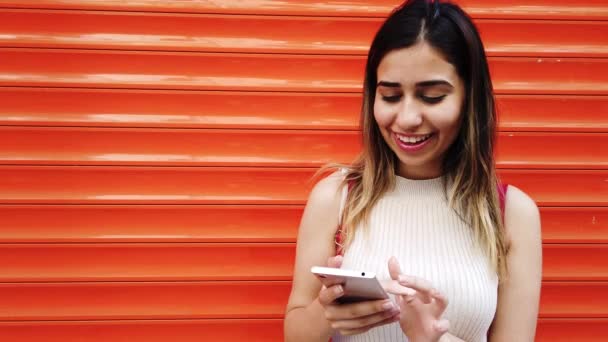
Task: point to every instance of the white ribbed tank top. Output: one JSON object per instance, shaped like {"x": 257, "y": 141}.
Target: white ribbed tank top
{"x": 414, "y": 223}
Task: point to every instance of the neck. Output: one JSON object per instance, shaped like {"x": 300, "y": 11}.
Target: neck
{"x": 419, "y": 173}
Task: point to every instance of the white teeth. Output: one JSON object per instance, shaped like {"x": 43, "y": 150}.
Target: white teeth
{"x": 413, "y": 140}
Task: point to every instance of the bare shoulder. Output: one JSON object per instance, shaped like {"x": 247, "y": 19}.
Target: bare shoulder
{"x": 326, "y": 193}
{"x": 320, "y": 217}
{"x": 522, "y": 217}
{"x": 520, "y": 201}
{"x": 323, "y": 203}
{"x": 513, "y": 321}
{"x": 315, "y": 238}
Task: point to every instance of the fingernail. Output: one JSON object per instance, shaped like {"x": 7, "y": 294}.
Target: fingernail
{"x": 338, "y": 290}
{"x": 388, "y": 306}
{"x": 403, "y": 278}
{"x": 442, "y": 326}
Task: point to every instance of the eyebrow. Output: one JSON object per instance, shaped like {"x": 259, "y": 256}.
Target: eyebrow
{"x": 423, "y": 84}
{"x": 389, "y": 84}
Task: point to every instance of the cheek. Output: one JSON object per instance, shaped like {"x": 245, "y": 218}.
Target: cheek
{"x": 449, "y": 120}
{"x": 449, "y": 128}
{"x": 448, "y": 125}
{"x": 383, "y": 115}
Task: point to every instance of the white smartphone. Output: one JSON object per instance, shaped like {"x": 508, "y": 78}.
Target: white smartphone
{"x": 358, "y": 285}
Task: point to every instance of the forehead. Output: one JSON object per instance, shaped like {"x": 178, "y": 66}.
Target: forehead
{"x": 417, "y": 63}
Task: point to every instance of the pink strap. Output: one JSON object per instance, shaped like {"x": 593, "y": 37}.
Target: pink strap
{"x": 339, "y": 239}
{"x": 502, "y": 196}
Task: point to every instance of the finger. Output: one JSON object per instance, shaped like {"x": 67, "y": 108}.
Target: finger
{"x": 394, "y": 269}
{"x": 328, "y": 295}
{"x": 441, "y": 303}
{"x": 410, "y": 306}
{"x": 357, "y": 310}
{"x": 408, "y": 303}
{"x": 335, "y": 261}
{"x": 422, "y": 286}
{"x": 365, "y": 321}
{"x": 441, "y": 326}
{"x": 331, "y": 281}
{"x": 389, "y": 320}
{"x": 396, "y": 288}
{"x": 411, "y": 300}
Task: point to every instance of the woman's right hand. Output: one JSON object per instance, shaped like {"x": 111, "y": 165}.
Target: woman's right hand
{"x": 354, "y": 318}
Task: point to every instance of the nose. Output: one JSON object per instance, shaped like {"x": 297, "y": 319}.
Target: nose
{"x": 409, "y": 115}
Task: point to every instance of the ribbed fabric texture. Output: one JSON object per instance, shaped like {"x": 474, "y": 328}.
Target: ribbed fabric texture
{"x": 414, "y": 223}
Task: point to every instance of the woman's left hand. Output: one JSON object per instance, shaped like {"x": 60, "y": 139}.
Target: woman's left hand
{"x": 420, "y": 312}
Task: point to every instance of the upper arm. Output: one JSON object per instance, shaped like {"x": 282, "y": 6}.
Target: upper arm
{"x": 519, "y": 294}
{"x": 315, "y": 239}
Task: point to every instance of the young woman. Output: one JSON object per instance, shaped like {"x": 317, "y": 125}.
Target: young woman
{"x": 422, "y": 206}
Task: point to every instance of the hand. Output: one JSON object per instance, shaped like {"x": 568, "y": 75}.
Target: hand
{"x": 421, "y": 312}
{"x": 355, "y": 318}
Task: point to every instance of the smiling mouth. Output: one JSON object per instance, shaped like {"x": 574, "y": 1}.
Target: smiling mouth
{"x": 414, "y": 140}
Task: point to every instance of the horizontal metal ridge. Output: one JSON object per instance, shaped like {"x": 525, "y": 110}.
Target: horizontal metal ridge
{"x": 258, "y": 110}
{"x": 225, "y": 147}
{"x": 243, "y": 185}
{"x": 239, "y": 299}
{"x": 254, "y": 330}
{"x": 541, "y": 9}
{"x": 223, "y": 223}
{"x": 258, "y": 34}
{"x": 268, "y": 72}
{"x": 208, "y": 261}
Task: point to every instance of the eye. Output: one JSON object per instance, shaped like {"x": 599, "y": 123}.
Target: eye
{"x": 432, "y": 99}
{"x": 391, "y": 99}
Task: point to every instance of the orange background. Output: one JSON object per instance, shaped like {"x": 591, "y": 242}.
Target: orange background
{"x": 155, "y": 156}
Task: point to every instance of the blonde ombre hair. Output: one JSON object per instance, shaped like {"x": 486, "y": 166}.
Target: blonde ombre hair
{"x": 469, "y": 162}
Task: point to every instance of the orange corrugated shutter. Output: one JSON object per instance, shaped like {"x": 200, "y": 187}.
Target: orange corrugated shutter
{"x": 156, "y": 156}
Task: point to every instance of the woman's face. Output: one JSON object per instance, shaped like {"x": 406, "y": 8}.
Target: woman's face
{"x": 418, "y": 106}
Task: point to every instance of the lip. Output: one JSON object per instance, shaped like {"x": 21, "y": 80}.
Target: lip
{"x": 412, "y": 149}
{"x": 411, "y": 135}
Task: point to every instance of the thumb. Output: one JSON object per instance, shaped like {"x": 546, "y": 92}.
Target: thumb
{"x": 442, "y": 326}
{"x": 393, "y": 268}
{"x": 335, "y": 261}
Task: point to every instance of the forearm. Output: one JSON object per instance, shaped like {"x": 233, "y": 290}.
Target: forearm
{"x": 307, "y": 324}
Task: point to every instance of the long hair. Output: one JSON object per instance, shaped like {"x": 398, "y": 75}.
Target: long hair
{"x": 469, "y": 162}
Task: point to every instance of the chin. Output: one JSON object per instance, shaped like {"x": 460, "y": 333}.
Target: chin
{"x": 428, "y": 163}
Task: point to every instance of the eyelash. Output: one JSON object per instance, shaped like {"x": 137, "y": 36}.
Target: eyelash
{"x": 427, "y": 99}
{"x": 391, "y": 99}
{"x": 432, "y": 100}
